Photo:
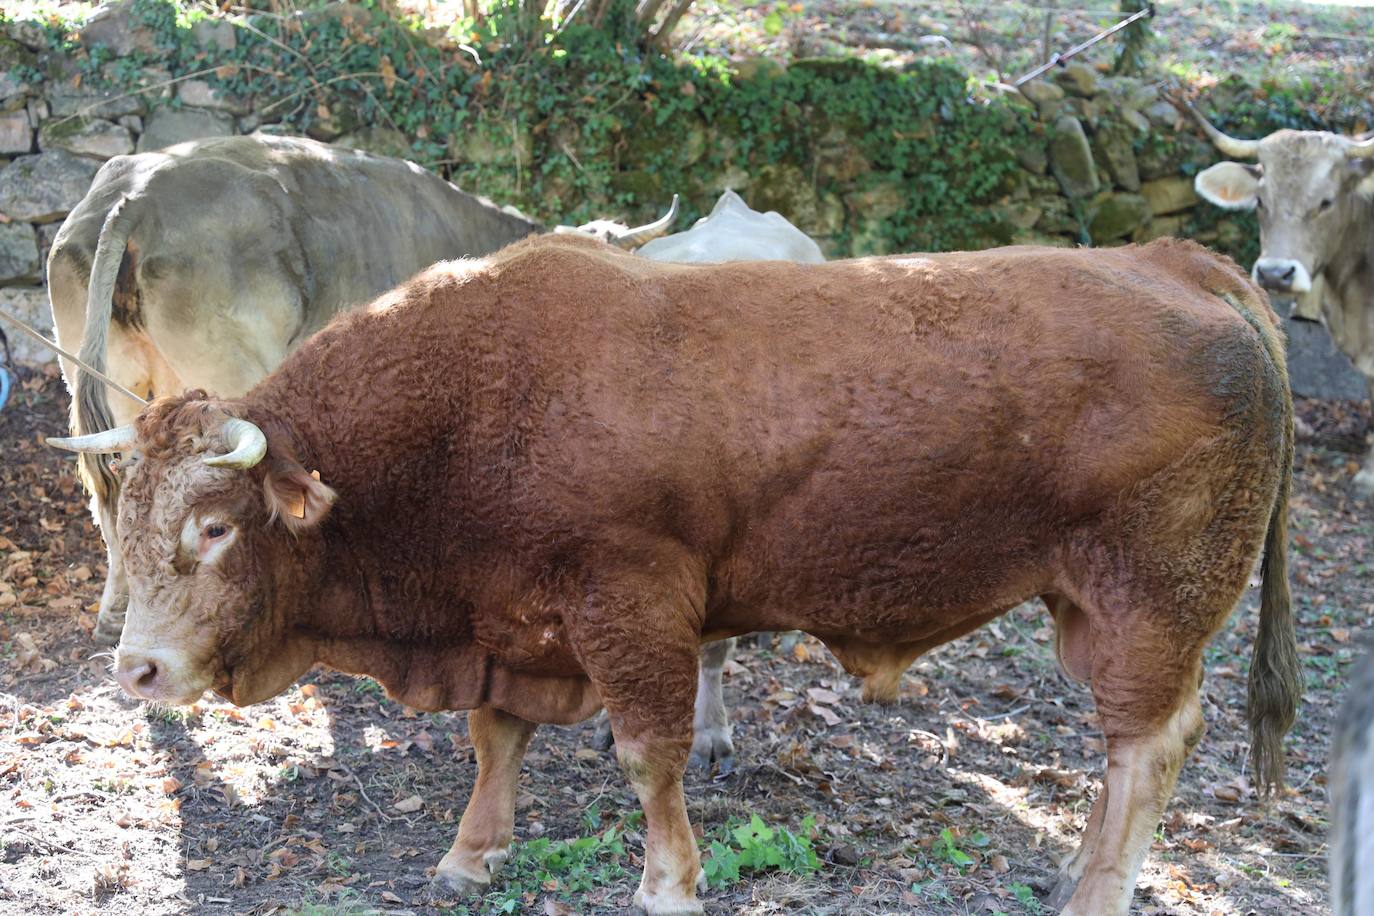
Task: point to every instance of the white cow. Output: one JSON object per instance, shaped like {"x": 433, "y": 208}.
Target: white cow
{"x": 734, "y": 232}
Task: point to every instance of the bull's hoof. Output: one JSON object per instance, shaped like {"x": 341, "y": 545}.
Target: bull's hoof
{"x": 667, "y": 904}
{"x": 604, "y": 739}
{"x": 1364, "y": 482}
{"x": 457, "y": 875}
{"x": 713, "y": 747}
{"x": 462, "y": 885}
{"x": 1062, "y": 892}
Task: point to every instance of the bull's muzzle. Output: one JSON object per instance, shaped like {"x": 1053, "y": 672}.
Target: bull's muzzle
{"x": 155, "y": 674}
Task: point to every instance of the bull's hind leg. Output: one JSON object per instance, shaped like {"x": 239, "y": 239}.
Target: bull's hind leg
{"x": 1143, "y": 763}
{"x": 488, "y": 824}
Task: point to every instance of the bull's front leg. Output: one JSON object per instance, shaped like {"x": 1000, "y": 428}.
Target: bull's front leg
{"x": 640, "y": 651}
{"x": 488, "y": 824}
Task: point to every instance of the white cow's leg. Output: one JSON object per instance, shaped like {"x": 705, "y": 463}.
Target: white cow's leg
{"x": 711, "y": 733}
{"x": 1351, "y": 782}
{"x": 114, "y": 600}
{"x": 1141, "y": 772}
{"x": 488, "y": 824}
{"x": 711, "y": 725}
{"x": 1364, "y": 480}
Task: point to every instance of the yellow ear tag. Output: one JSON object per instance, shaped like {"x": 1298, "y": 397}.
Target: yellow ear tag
{"x": 315, "y": 474}
{"x": 297, "y": 506}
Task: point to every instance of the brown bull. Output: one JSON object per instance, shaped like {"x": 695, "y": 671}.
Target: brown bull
{"x": 546, "y": 476}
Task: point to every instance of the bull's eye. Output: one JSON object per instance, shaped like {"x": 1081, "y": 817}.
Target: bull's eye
{"x": 1325, "y": 204}
{"x": 1259, "y": 203}
{"x": 215, "y": 531}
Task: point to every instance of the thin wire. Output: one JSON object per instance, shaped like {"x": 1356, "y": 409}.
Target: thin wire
{"x": 52, "y": 346}
{"x": 1147, "y": 13}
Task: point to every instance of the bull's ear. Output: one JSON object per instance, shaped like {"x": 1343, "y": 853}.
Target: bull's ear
{"x": 298, "y": 499}
{"x": 1229, "y": 184}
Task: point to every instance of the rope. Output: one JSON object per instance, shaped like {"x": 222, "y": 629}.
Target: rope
{"x": 52, "y": 346}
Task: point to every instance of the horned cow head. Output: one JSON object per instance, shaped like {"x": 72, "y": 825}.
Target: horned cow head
{"x": 1306, "y": 188}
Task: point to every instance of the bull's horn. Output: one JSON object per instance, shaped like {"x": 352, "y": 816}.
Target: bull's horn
{"x": 247, "y": 445}
{"x": 118, "y": 439}
{"x": 641, "y": 234}
{"x": 1231, "y": 146}
{"x": 1358, "y": 150}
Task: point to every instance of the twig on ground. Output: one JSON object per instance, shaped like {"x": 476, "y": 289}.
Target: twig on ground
{"x": 363, "y": 792}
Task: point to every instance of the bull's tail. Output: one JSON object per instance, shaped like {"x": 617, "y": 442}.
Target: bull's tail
{"x": 1275, "y": 674}
{"x": 90, "y": 405}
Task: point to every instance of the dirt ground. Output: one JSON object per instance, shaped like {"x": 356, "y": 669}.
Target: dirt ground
{"x": 331, "y": 798}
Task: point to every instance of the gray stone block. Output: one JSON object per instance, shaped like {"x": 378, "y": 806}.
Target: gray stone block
{"x": 167, "y": 127}
{"x": 44, "y": 187}
{"x": 19, "y": 253}
{"x": 16, "y": 134}
{"x": 29, "y": 303}
{"x": 95, "y": 138}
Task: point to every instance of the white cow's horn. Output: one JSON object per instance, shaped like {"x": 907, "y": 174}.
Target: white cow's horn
{"x": 1358, "y": 150}
{"x": 641, "y": 234}
{"x": 247, "y": 445}
{"x": 1231, "y": 146}
{"x": 118, "y": 439}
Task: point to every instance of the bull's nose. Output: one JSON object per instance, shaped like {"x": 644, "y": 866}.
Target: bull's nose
{"x": 138, "y": 676}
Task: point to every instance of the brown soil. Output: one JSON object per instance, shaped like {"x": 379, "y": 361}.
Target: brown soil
{"x": 113, "y": 807}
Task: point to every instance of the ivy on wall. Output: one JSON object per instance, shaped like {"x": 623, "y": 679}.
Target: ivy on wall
{"x": 589, "y": 124}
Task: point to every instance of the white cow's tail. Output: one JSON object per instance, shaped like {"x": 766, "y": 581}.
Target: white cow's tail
{"x": 90, "y": 403}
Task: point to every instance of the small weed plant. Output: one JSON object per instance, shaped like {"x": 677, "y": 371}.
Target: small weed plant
{"x": 561, "y": 868}
{"x": 754, "y": 847}
{"x": 947, "y": 847}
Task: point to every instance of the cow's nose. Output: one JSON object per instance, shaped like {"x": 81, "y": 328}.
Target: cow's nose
{"x": 1277, "y": 277}
{"x": 138, "y": 676}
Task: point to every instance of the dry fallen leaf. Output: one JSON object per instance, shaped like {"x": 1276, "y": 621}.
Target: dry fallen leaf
{"x": 1226, "y": 793}
{"x": 409, "y": 805}
{"x": 821, "y": 695}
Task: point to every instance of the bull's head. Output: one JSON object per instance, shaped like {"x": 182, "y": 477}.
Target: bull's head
{"x": 215, "y": 523}
{"x": 1306, "y": 188}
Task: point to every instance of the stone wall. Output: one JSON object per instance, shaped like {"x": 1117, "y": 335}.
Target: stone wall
{"x": 1109, "y": 162}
